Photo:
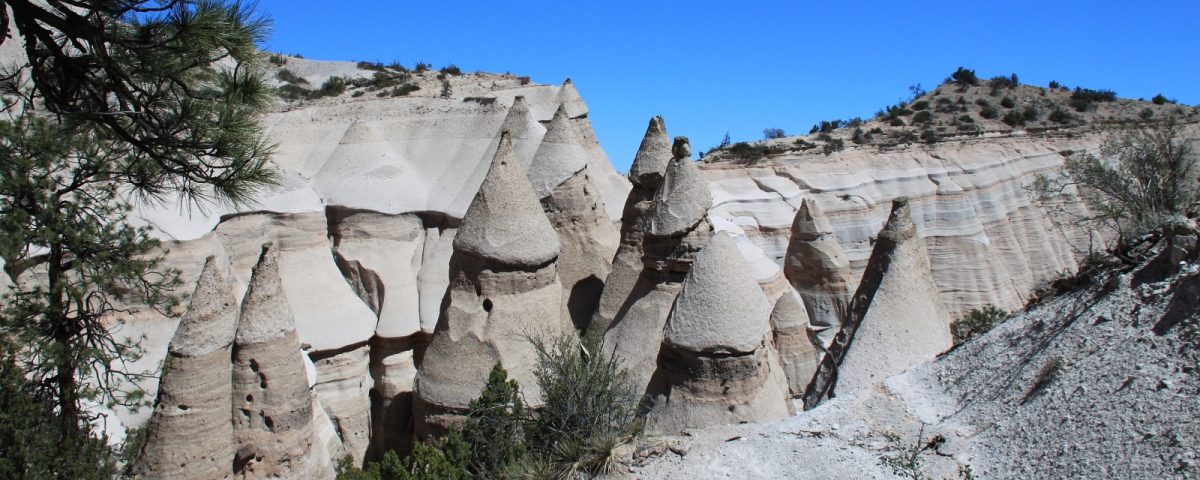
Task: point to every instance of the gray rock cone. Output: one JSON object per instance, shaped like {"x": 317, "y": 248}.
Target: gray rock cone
{"x": 683, "y": 199}
{"x": 575, "y": 209}
{"x": 897, "y": 318}
{"x": 818, "y": 269}
{"x": 190, "y": 434}
{"x": 505, "y": 222}
{"x": 653, "y": 155}
{"x": 524, "y": 130}
{"x": 272, "y": 403}
{"x": 717, "y": 364}
{"x": 797, "y": 355}
{"x": 569, "y": 97}
{"x": 502, "y": 293}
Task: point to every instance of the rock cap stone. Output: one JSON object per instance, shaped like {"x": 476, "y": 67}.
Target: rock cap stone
{"x": 653, "y": 156}
{"x": 266, "y": 314}
{"x": 559, "y": 156}
{"x": 505, "y": 222}
{"x": 682, "y": 200}
{"x": 899, "y": 226}
{"x": 212, "y": 318}
{"x": 721, "y": 308}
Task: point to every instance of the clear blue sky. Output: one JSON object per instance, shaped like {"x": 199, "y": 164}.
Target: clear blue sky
{"x": 712, "y": 67}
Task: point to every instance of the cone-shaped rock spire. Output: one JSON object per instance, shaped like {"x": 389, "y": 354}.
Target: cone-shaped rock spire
{"x": 505, "y": 222}
{"x": 683, "y": 198}
{"x": 569, "y": 97}
{"x": 721, "y": 308}
{"x": 558, "y": 157}
{"x": 190, "y": 434}
{"x": 717, "y": 364}
{"x": 797, "y": 354}
{"x": 524, "y": 130}
{"x": 652, "y": 157}
{"x": 272, "y": 403}
{"x": 818, "y": 269}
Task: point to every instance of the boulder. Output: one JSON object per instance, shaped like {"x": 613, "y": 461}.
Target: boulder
{"x": 717, "y": 364}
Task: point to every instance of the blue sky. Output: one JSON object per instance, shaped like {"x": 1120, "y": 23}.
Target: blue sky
{"x": 713, "y": 67}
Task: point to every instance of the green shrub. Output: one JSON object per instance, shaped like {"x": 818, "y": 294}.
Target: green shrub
{"x": 803, "y": 144}
{"x": 443, "y": 460}
{"x": 770, "y": 133}
{"x": 333, "y": 87}
{"x": 1002, "y": 82}
{"x": 976, "y": 323}
{"x": 1059, "y": 116}
{"x": 370, "y": 66}
{"x": 964, "y": 77}
{"x": 966, "y": 119}
{"x": 1054, "y": 85}
{"x": 1014, "y": 118}
{"x": 859, "y": 137}
{"x": 358, "y": 93}
{"x": 403, "y": 90}
{"x": 896, "y": 122}
{"x": 1007, "y": 102}
{"x": 450, "y": 69}
{"x": 277, "y": 59}
{"x": 833, "y": 145}
{"x": 1030, "y": 113}
{"x": 983, "y": 103}
{"x": 989, "y": 112}
{"x": 290, "y": 91}
{"x": 930, "y": 136}
{"x": 922, "y": 117}
{"x": 1146, "y": 113}
{"x": 286, "y": 76}
{"x": 875, "y": 131}
{"x": 1094, "y": 95}
{"x": 422, "y": 67}
{"x": 494, "y": 429}
{"x": 920, "y": 105}
{"x": 1159, "y": 100}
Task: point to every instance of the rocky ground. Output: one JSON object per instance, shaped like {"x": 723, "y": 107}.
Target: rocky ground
{"x": 1098, "y": 382}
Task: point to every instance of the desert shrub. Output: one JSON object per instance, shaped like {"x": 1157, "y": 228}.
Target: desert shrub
{"x": 1159, "y": 99}
{"x": 333, "y": 87}
{"x": 830, "y": 126}
{"x": 833, "y": 145}
{"x": 1002, "y": 82}
{"x": 964, "y": 77}
{"x": 286, "y": 76}
{"x": 291, "y": 91}
{"x": 402, "y": 90}
{"x": 973, "y": 325}
{"x": 920, "y": 105}
{"x": 1054, "y": 85}
{"x": 370, "y": 66}
{"x": 922, "y": 117}
{"x": 450, "y": 69}
{"x": 442, "y": 460}
{"x": 1146, "y": 114}
{"x": 445, "y": 88}
{"x": 905, "y": 460}
{"x": 966, "y": 119}
{"x": 989, "y": 112}
{"x": 1142, "y": 176}
{"x": 422, "y": 67}
{"x": 743, "y": 149}
{"x": 358, "y": 93}
{"x": 770, "y": 133}
{"x": 930, "y": 136}
{"x": 1059, "y": 116}
{"x": 277, "y": 59}
{"x": 859, "y": 137}
{"x": 803, "y": 144}
{"x": 1094, "y": 95}
{"x": 917, "y": 91}
{"x": 1014, "y": 118}
{"x": 875, "y": 131}
{"x": 983, "y": 103}
{"x": 494, "y": 429}
{"x": 1049, "y": 373}
{"x": 1030, "y": 113}
{"x": 1007, "y": 102}
{"x": 896, "y": 122}
{"x": 853, "y": 122}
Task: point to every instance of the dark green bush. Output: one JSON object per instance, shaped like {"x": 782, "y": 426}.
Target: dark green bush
{"x": 833, "y": 145}
{"x": 395, "y": 65}
{"x": 770, "y": 133}
{"x": 1030, "y": 113}
{"x": 422, "y": 67}
{"x": 743, "y": 149}
{"x": 922, "y": 117}
{"x": 1059, "y": 116}
{"x": 1159, "y": 99}
{"x": 983, "y": 103}
{"x": 896, "y": 122}
{"x": 1093, "y": 95}
{"x": 333, "y": 87}
{"x": 966, "y": 118}
{"x": 804, "y": 145}
{"x": 920, "y": 105}
{"x": 976, "y": 323}
{"x": 1002, "y": 82}
{"x": 1014, "y": 118}
{"x": 859, "y": 137}
{"x": 1007, "y": 102}
{"x": 402, "y": 90}
{"x": 451, "y": 69}
{"x": 930, "y": 136}
{"x": 875, "y": 131}
{"x": 1053, "y": 85}
{"x": 1146, "y": 113}
{"x": 358, "y": 93}
{"x": 370, "y": 66}
{"x": 277, "y": 59}
{"x": 964, "y": 77}
{"x": 286, "y": 76}
{"x": 291, "y": 91}
{"x": 989, "y": 112}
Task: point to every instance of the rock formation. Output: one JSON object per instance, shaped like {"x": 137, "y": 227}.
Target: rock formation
{"x": 675, "y": 229}
{"x": 646, "y": 174}
{"x": 817, "y": 268}
{"x": 717, "y": 364}
{"x": 560, "y": 178}
{"x": 504, "y": 290}
{"x": 272, "y": 403}
{"x": 525, "y": 131}
{"x": 190, "y": 434}
{"x": 797, "y": 355}
{"x": 897, "y": 318}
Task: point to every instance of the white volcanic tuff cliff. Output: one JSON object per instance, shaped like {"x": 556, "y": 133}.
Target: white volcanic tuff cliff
{"x": 987, "y": 242}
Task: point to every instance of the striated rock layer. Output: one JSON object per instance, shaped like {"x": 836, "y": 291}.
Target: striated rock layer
{"x": 717, "y": 363}
{"x": 504, "y": 290}
{"x": 190, "y": 434}
{"x": 817, "y": 268}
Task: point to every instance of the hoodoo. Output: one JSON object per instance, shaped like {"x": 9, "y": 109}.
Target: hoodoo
{"x": 525, "y": 131}
{"x": 504, "y": 289}
{"x": 560, "y": 178}
{"x": 716, "y": 364}
{"x": 669, "y": 246}
{"x": 190, "y": 434}
{"x": 646, "y": 175}
{"x": 818, "y": 269}
{"x": 797, "y": 355}
{"x": 272, "y": 403}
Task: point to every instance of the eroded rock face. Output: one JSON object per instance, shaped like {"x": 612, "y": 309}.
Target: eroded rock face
{"x": 797, "y": 355}
{"x": 190, "y": 434}
{"x": 818, "y": 269}
{"x": 717, "y": 364}
{"x": 635, "y": 333}
{"x": 272, "y": 403}
{"x": 504, "y": 290}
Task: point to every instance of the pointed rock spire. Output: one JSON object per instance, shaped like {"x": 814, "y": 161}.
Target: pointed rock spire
{"x": 525, "y": 131}
{"x": 683, "y": 199}
{"x": 190, "y": 433}
{"x": 558, "y": 157}
{"x": 266, "y": 315}
{"x": 652, "y": 157}
{"x": 212, "y": 317}
{"x": 505, "y": 222}
{"x": 818, "y": 269}
{"x": 569, "y": 98}
{"x": 810, "y": 223}
{"x": 797, "y": 355}
{"x": 721, "y": 307}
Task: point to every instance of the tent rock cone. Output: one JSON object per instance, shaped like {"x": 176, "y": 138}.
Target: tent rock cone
{"x": 818, "y": 269}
